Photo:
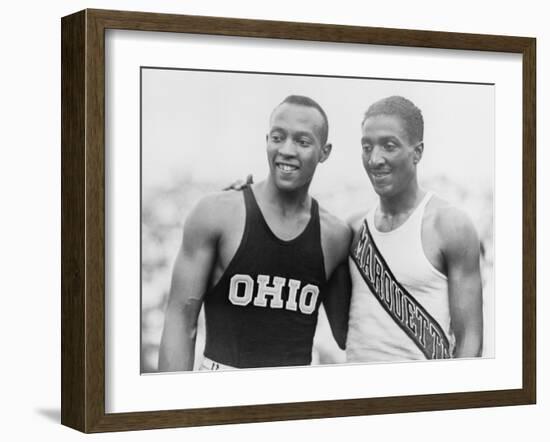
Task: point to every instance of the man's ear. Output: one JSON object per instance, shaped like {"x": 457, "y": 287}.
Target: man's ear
{"x": 418, "y": 151}
{"x": 325, "y": 152}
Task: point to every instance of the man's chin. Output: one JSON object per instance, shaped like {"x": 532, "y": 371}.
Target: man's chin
{"x": 285, "y": 186}
{"x": 383, "y": 191}
{"x": 288, "y": 185}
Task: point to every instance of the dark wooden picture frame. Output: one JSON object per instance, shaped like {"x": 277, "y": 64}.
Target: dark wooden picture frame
{"x": 83, "y": 220}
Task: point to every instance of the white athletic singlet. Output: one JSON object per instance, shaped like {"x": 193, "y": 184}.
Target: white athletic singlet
{"x": 373, "y": 335}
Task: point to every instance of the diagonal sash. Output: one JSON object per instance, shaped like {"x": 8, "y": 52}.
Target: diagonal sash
{"x": 402, "y": 307}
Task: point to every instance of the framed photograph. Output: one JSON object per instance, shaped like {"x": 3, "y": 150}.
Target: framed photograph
{"x": 269, "y": 220}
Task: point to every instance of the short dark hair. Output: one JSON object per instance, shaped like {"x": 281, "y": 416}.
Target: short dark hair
{"x": 404, "y": 109}
{"x": 302, "y": 100}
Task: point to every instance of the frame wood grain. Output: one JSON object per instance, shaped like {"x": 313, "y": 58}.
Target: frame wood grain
{"x": 83, "y": 220}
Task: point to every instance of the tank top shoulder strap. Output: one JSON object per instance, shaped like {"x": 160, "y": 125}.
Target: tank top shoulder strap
{"x": 256, "y": 222}
{"x": 314, "y": 237}
{"x": 314, "y": 225}
{"x": 369, "y": 216}
{"x": 315, "y": 219}
{"x": 253, "y": 212}
{"x": 425, "y": 201}
{"x": 418, "y": 214}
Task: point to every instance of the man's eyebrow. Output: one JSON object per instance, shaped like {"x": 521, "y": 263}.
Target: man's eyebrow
{"x": 381, "y": 138}
{"x": 301, "y": 133}
{"x": 390, "y": 138}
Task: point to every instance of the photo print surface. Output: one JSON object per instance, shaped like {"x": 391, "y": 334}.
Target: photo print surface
{"x": 357, "y": 227}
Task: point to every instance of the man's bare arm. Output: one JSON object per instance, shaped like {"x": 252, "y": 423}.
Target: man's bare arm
{"x": 190, "y": 276}
{"x": 337, "y": 301}
{"x": 461, "y": 251}
{"x": 336, "y": 241}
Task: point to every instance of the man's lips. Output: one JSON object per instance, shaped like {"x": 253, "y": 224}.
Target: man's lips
{"x": 286, "y": 167}
{"x": 379, "y": 173}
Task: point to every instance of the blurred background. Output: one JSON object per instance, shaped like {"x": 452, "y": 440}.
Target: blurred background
{"x": 203, "y": 130}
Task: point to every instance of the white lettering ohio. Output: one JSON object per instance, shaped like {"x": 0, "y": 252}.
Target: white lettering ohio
{"x": 269, "y": 293}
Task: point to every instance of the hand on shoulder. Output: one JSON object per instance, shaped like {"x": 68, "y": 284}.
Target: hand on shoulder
{"x": 240, "y": 184}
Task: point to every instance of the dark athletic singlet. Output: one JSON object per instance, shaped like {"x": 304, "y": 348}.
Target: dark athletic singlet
{"x": 263, "y": 310}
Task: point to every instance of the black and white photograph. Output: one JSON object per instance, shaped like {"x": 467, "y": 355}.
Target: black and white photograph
{"x": 294, "y": 220}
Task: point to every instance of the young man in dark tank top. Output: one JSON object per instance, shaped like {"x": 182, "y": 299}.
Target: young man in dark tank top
{"x": 262, "y": 261}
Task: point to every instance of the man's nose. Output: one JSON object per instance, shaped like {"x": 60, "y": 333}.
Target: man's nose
{"x": 288, "y": 147}
{"x": 377, "y": 156}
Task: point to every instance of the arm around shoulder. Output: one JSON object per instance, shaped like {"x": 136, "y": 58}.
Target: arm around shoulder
{"x": 338, "y": 292}
{"x": 336, "y": 238}
{"x": 190, "y": 275}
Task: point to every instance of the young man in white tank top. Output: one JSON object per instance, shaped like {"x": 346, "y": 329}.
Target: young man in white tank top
{"x": 415, "y": 259}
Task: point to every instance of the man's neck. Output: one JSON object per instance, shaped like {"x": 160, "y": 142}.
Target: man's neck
{"x": 286, "y": 203}
{"x": 402, "y": 203}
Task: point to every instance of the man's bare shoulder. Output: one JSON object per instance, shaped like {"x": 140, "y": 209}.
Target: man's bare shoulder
{"x": 337, "y": 227}
{"x": 356, "y": 220}
{"x": 452, "y": 224}
{"x": 337, "y": 232}
{"x": 224, "y": 200}
{"x": 212, "y": 211}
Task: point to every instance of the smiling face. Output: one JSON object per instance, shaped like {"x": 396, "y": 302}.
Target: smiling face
{"x": 389, "y": 155}
{"x": 295, "y": 145}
